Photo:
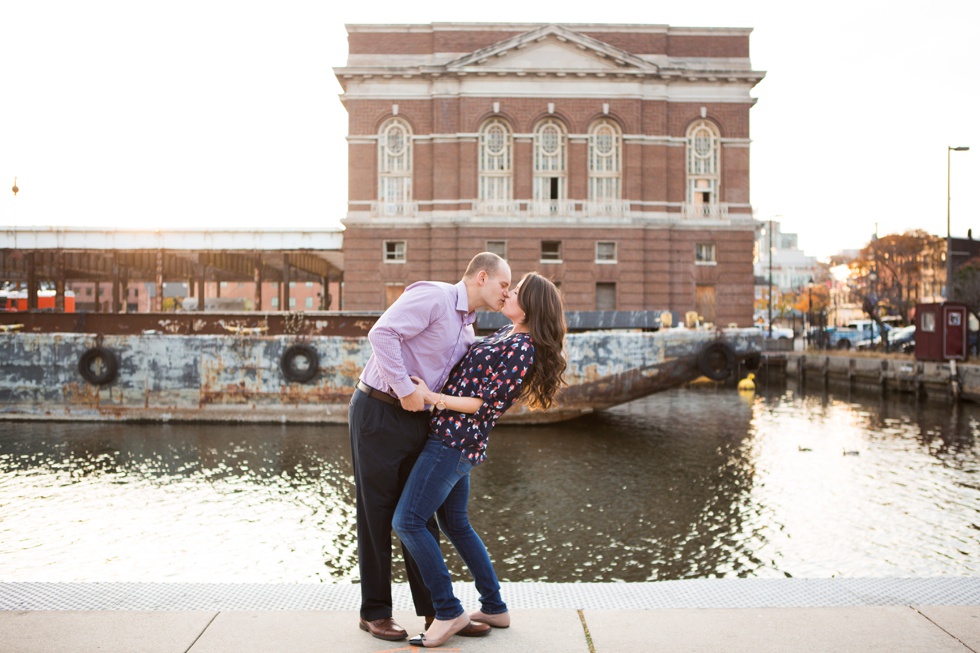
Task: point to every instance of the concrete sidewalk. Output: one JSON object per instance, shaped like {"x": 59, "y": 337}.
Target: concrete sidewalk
{"x": 828, "y": 615}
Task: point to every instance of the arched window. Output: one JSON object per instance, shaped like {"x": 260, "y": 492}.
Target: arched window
{"x": 549, "y": 164}
{"x": 395, "y": 167}
{"x": 496, "y": 163}
{"x": 605, "y": 162}
{"x": 703, "y": 167}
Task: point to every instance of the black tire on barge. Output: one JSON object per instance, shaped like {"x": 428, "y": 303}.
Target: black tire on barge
{"x": 717, "y": 360}
{"x": 98, "y": 365}
{"x": 293, "y": 367}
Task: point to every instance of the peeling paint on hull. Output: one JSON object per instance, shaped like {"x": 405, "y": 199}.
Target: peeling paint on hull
{"x": 238, "y": 378}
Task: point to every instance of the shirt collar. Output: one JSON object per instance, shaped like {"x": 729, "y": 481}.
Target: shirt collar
{"x": 463, "y": 304}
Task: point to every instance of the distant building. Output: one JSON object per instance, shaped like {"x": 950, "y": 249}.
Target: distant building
{"x": 791, "y": 268}
{"x": 223, "y": 295}
{"x": 133, "y": 297}
{"x": 303, "y": 295}
{"x": 613, "y": 159}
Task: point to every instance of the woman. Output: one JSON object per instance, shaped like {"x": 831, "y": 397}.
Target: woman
{"x": 522, "y": 361}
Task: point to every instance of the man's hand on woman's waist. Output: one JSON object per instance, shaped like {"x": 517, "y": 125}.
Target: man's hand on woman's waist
{"x": 414, "y": 402}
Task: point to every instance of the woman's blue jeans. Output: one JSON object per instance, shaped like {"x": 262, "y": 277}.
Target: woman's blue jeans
{"x": 440, "y": 484}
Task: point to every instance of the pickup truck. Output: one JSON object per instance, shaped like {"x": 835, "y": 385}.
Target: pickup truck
{"x": 778, "y": 333}
{"x": 848, "y": 336}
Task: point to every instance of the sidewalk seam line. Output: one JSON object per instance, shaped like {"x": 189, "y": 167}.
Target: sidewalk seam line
{"x": 926, "y": 617}
{"x": 585, "y": 627}
{"x": 201, "y": 634}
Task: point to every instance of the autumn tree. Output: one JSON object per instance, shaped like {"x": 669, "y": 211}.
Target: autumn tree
{"x": 890, "y": 271}
{"x": 821, "y": 299}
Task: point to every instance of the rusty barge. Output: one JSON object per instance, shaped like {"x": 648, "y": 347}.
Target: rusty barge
{"x": 294, "y": 367}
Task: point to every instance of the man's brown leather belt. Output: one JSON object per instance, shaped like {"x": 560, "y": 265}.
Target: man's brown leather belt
{"x": 377, "y": 394}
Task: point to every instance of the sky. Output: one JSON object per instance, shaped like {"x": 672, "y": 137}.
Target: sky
{"x": 219, "y": 114}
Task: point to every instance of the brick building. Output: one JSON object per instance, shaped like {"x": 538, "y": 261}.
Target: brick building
{"x": 613, "y": 159}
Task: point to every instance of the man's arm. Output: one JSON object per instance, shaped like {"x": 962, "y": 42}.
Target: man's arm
{"x": 407, "y": 317}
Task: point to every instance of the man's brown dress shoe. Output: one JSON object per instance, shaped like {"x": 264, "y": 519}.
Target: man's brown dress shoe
{"x": 384, "y": 629}
{"x": 473, "y": 629}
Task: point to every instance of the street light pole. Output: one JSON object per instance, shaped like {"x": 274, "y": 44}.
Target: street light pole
{"x": 770, "y": 278}
{"x": 809, "y": 304}
{"x": 809, "y": 308}
{"x": 949, "y": 240}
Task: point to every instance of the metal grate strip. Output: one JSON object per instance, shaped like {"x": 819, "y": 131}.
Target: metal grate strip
{"x": 700, "y": 593}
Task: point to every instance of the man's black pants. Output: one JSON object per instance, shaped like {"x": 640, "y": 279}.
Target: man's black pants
{"x": 385, "y": 443}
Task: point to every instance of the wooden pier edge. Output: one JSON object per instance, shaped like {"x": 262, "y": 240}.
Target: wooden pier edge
{"x": 945, "y": 380}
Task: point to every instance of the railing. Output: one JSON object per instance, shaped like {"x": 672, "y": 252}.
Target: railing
{"x": 394, "y": 209}
{"x": 487, "y": 207}
{"x": 612, "y": 208}
{"x": 594, "y": 210}
{"x": 551, "y": 207}
{"x": 702, "y": 211}
{"x": 557, "y": 208}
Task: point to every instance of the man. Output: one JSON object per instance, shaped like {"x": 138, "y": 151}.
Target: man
{"x": 424, "y": 333}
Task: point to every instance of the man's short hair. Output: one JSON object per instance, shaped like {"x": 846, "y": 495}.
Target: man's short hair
{"x": 487, "y": 261}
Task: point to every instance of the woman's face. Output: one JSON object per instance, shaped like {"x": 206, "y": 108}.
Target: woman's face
{"x": 512, "y": 310}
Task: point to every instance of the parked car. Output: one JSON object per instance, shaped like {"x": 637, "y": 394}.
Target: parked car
{"x": 778, "y": 333}
{"x": 853, "y": 333}
{"x": 901, "y": 339}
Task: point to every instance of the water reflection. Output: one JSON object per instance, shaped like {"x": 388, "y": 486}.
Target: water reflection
{"x": 686, "y": 484}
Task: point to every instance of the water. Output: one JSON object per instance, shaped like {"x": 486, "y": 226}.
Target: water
{"x": 687, "y": 484}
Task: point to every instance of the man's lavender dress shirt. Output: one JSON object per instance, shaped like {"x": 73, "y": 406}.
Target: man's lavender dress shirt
{"x": 424, "y": 333}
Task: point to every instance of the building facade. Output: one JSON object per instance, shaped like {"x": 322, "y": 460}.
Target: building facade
{"x": 613, "y": 159}
{"x": 778, "y": 255}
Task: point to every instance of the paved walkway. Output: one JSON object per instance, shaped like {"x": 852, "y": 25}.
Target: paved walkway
{"x": 757, "y": 615}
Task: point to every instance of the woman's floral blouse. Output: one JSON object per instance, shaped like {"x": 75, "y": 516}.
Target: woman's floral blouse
{"x": 493, "y": 369}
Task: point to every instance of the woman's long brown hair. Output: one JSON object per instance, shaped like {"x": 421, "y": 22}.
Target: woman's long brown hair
{"x": 545, "y": 318}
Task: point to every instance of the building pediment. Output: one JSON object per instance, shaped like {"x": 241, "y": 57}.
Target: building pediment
{"x": 551, "y": 48}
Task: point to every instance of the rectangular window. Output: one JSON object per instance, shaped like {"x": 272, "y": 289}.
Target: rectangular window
{"x": 498, "y": 247}
{"x": 704, "y": 254}
{"x": 551, "y": 251}
{"x": 394, "y": 251}
{"x": 605, "y": 251}
{"x": 292, "y": 302}
{"x": 309, "y": 284}
{"x": 275, "y": 302}
{"x": 605, "y": 297}
{"x": 309, "y": 302}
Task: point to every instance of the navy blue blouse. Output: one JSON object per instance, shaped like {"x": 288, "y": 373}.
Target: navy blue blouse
{"x": 492, "y": 369}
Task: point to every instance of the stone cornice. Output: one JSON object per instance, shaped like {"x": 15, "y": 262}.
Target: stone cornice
{"x": 428, "y": 28}
{"x": 664, "y": 74}
{"x": 587, "y": 57}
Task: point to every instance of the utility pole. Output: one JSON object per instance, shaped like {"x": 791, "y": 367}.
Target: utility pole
{"x": 770, "y": 279}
